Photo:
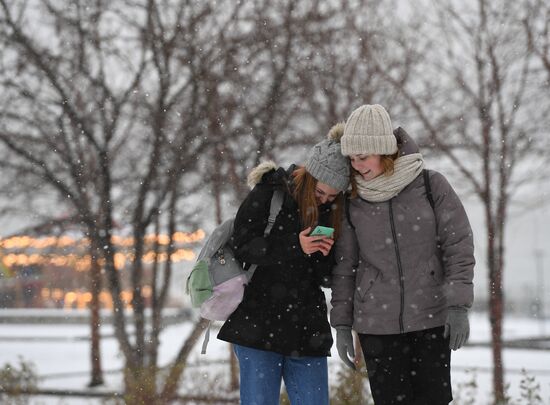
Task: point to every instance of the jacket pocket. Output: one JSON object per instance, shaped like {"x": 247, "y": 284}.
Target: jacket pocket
{"x": 367, "y": 278}
{"x": 434, "y": 270}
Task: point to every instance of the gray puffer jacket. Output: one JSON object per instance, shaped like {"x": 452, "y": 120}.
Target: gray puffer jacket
{"x": 390, "y": 275}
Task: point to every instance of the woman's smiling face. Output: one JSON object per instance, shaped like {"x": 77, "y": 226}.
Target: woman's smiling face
{"x": 369, "y": 166}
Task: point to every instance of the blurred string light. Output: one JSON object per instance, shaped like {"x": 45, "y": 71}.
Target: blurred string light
{"x": 81, "y": 262}
{"x": 23, "y": 251}
{"x": 80, "y": 299}
{"x": 29, "y": 242}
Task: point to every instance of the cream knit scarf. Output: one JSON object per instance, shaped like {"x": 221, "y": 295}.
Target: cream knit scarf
{"x": 383, "y": 188}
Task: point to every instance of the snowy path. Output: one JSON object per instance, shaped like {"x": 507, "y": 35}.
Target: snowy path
{"x": 61, "y": 356}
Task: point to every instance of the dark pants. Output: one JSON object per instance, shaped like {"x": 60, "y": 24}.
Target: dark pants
{"x": 411, "y": 368}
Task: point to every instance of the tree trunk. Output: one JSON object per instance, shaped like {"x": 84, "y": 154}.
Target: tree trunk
{"x": 172, "y": 381}
{"x": 140, "y": 384}
{"x": 156, "y": 308}
{"x": 95, "y": 321}
{"x": 138, "y": 304}
{"x": 233, "y": 366}
{"x": 496, "y": 310}
{"x": 234, "y": 370}
{"x": 160, "y": 291}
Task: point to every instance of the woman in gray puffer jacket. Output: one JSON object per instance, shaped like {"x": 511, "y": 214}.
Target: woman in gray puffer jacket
{"x": 403, "y": 279}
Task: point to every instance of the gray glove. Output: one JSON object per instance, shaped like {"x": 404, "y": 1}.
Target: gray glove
{"x": 457, "y": 327}
{"x": 344, "y": 344}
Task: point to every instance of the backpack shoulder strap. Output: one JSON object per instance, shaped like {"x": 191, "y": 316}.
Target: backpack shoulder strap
{"x": 346, "y": 209}
{"x": 430, "y": 197}
{"x": 428, "y": 187}
{"x": 274, "y": 209}
{"x": 206, "y": 338}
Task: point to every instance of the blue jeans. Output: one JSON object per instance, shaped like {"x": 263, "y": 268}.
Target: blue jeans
{"x": 306, "y": 378}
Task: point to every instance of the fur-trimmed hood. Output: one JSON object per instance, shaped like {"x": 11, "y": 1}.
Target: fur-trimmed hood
{"x": 269, "y": 173}
{"x": 258, "y": 172}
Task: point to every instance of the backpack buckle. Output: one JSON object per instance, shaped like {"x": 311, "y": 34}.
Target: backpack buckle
{"x": 221, "y": 258}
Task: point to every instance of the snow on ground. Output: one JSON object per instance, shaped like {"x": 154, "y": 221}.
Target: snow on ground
{"x": 61, "y": 356}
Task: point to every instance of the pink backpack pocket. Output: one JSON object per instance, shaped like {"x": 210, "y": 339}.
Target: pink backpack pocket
{"x": 225, "y": 299}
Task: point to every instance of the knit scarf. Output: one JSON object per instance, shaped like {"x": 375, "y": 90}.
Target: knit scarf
{"x": 383, "y": 188}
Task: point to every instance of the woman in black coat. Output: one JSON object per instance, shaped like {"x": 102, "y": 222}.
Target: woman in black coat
{"x": 280, "y": 330}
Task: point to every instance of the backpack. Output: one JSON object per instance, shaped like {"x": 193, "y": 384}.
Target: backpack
{"x": 217, "y": 280}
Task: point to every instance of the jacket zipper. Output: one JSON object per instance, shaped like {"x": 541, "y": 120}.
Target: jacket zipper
{"x": 400, "y": 268}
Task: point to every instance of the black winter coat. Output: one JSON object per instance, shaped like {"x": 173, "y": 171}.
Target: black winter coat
{"x": 283, "y": 309}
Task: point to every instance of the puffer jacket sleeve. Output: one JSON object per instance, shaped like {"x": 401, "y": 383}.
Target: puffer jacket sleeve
{"x": 456, "y": 241}
{"x": 248, "y": 240}
{"x": 343, "y": 277}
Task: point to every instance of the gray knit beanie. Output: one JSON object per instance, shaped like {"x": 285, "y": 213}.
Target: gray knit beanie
{"x": 369, "y": 131}
{"x": 326, "y": 163}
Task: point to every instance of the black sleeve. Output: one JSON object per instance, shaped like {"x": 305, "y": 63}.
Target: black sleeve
{"x": 248, "y": 240}
{"x": 323, "y": 267}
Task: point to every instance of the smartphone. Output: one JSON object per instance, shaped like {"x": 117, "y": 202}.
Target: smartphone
{"x": 322, "y": 231}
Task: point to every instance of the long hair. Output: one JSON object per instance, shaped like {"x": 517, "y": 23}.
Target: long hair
{"x": 304, "y": 194}
{"x": 388, "y": 166}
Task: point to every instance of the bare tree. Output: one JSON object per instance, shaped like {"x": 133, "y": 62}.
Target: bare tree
{"x": 108, "y": 145}
{"x": 95, "y": 320}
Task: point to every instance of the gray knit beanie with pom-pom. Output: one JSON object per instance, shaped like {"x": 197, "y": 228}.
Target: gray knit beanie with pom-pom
{"x": 326, "y": 163}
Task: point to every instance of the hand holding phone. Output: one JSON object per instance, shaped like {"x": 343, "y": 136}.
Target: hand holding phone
{"x": 322, "y": 231}
{"x": 320, "y": 240}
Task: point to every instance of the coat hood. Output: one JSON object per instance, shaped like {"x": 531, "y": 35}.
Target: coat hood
{"x": 405, "y": 144}
{"x": 258, "y": 172}
{"x": 269, "y": 173}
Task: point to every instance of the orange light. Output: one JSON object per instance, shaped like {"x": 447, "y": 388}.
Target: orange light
{"x": 126, "y": 296}
{"x": 70, "y": 297}
{"x": 120, "y": 260}
{"x": 45, "y": 293}
{"x": 146, "y": 291}
{"x": 57, "y": 294}
{"x": 163, "y": 239}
